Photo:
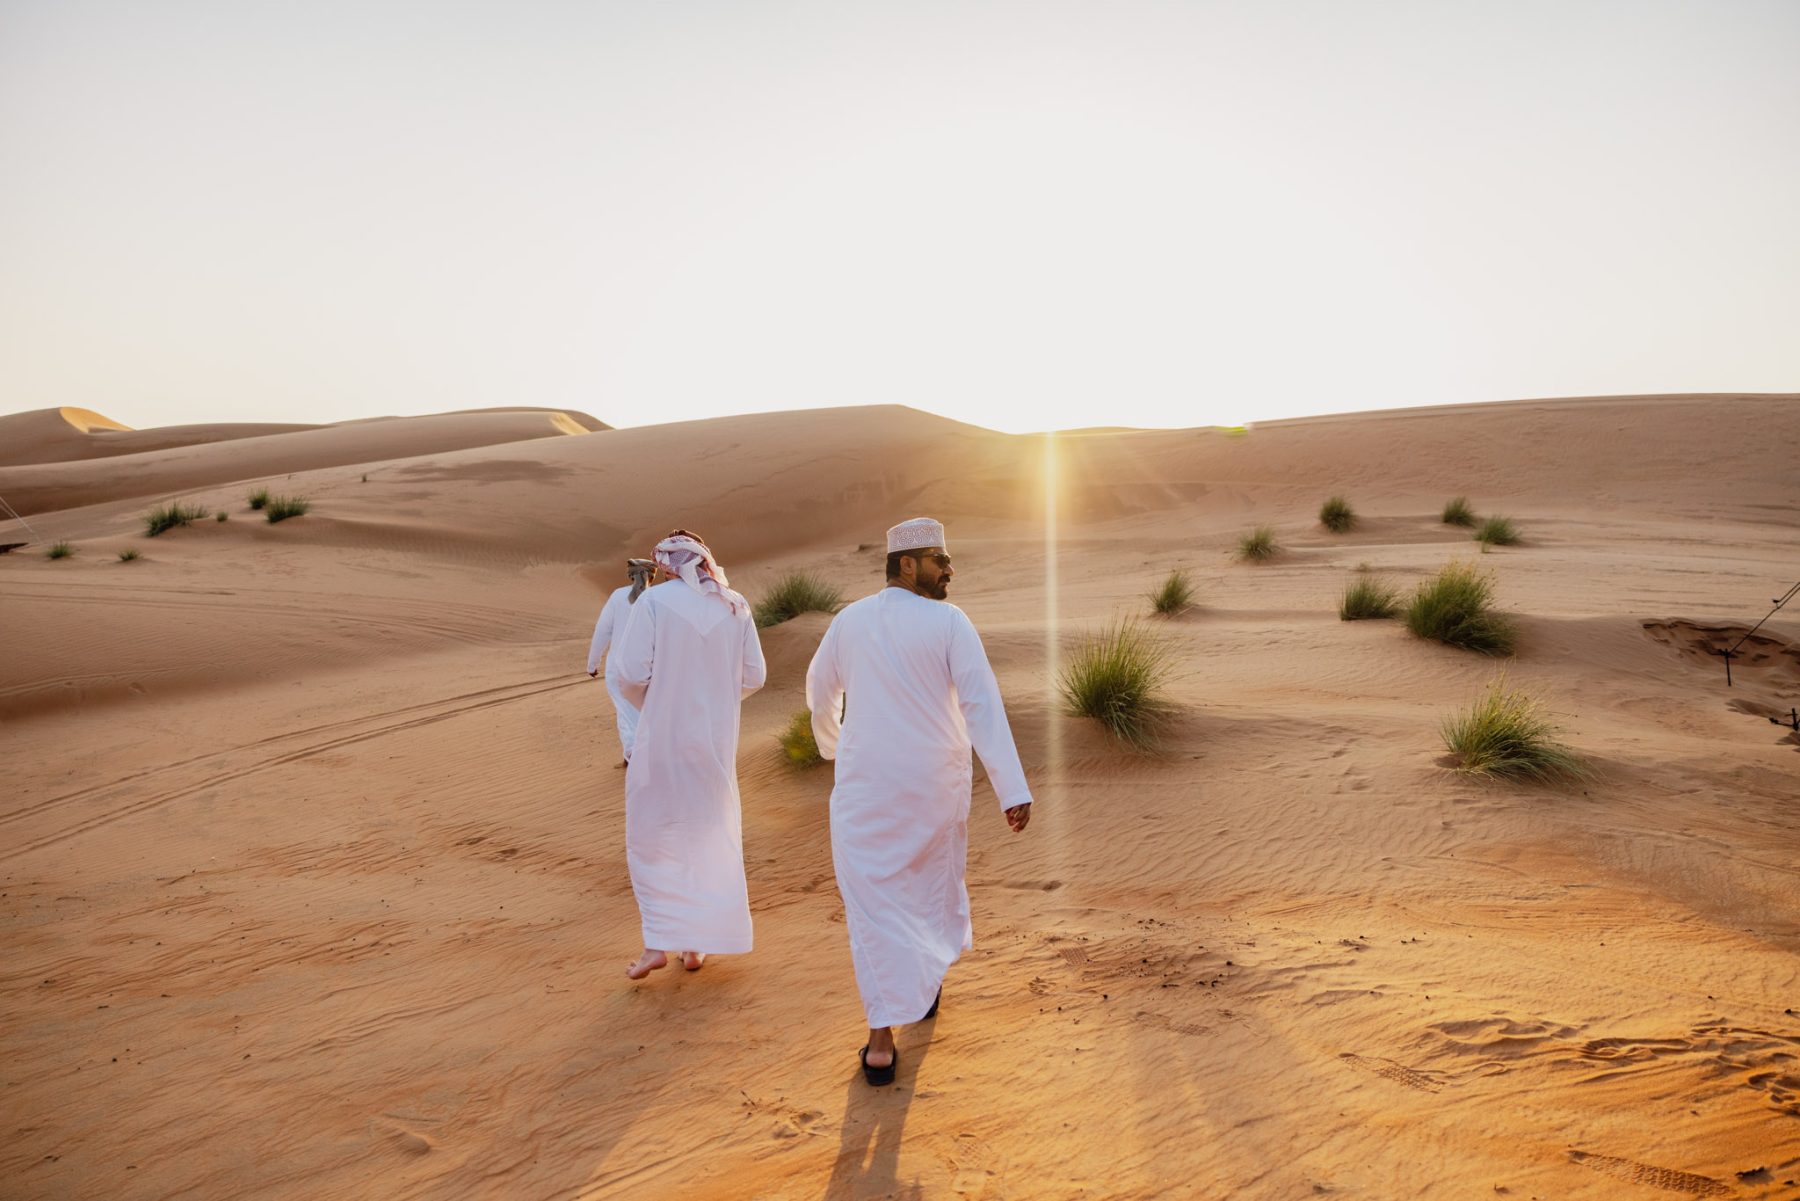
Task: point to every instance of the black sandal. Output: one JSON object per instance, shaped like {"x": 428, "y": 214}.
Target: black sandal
{"x": 932, "y": 1012}
{"x": 878, "y": 1076}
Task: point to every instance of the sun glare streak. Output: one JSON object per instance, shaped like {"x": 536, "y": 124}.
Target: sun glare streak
{"x": 1052, "y": 623}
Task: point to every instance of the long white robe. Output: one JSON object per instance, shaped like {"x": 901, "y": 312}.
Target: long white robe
{"x": 920, "y": 693}
{"x": 610, "y": 626}
{"x": 687, "y": 661}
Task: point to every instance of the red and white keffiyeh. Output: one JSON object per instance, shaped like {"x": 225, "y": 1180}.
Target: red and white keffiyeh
{"x": 690, "y": 560}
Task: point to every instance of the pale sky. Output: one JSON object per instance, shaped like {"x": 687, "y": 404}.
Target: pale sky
{"x": 1025, "y": 215}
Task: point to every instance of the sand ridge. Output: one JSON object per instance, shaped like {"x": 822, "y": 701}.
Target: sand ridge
{"x": 313, "y": 863}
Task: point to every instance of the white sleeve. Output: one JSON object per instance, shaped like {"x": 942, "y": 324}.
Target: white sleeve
{"x": 978, "y": 693}
{"x": 756, "y": 671}
{"x": 825, "y": 692}
{"x": 603, "y": 635}
{"x": 634, "y": 651}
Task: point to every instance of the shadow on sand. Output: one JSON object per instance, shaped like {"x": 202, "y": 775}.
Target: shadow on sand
{"x": 868, "y": 1157}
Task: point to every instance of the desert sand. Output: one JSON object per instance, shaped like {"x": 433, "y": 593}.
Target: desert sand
{"x": 311, "y": 841}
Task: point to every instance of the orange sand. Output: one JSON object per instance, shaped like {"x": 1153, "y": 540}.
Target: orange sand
{"x": 311, "y": 839}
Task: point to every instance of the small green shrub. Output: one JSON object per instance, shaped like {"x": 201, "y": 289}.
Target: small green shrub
{"x": 1258, "y": 545}
{"x": 796, "y": 593}
{"x": 1455, "y": 606}
{"x": 1497, "y": 531}
{"x": 59, "y": 550}
{"x": 797, "y": 742}
{"x": 1174, "y": 595}
{"x": 1457, "y": 512}
{"x": 1337, "y": 516}
{"x": 280, "y": 508}
{"x": 1119, "y": 678}
{"x": 129, "y": 555}
{"x": 221, "y": 515}
{"x": 169, "y": 516}
{"x": 1367, "y": 597}
{"x": 1506, "y": 733}
{"x": 259, "y": 498}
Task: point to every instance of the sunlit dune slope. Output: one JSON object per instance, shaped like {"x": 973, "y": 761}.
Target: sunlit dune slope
{"x": 194, "y": 459}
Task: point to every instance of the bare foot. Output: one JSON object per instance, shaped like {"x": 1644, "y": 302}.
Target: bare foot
{"x": 691, "y": 960}
{"x": 646, "y": 963}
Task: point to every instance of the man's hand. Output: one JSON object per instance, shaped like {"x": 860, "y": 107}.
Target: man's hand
{"x": 1019, "y": 816}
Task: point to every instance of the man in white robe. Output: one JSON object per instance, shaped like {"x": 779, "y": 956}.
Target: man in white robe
{"x": 919, "y": 694}
{"x": 611, "y": 625}
{"x": 688, "y": 657}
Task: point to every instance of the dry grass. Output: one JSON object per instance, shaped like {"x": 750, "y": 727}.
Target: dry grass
{"x": 1507, "y": 733}
{"x": 1337, "y": 516}
{"x": 798, "y": 745}
{"x": 167, "y": 517}
{"x": 1119, "y": 678}
{"x": 1368, "y": 597}
{"x": 280, "y": 508}
{"x": 1174, "y": 595}
{"x": 796, "y": 593}
{"x": 1456, "y": 606}
{"x": 1457, "y": 512}
{"x": 1259, "y": 545}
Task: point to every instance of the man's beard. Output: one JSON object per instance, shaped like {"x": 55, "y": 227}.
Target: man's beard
{"x": 938, "y": 589}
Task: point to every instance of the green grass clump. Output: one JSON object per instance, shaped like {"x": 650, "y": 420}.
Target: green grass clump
{"x": 169, "y": 516}
{"x": 1455, "y": 606}
{"x": 1337, "y": 516}
{"x": 1174, "y": 595}
{"x": 797, "y": 742}
{"x": 1118, "y": 677}
{"x": 1506, "y": 733}
{"x": 1497, "y": 531}
{"x": 1367, "y": 597}
{"x": 59, "y": 550}
{"x": 259, "y": 499}
{"x": 1258, "y": 545}
{"x": 129, "y": 555}
{"x": 1458, "y": 512}
{"x": 280, "y": 508}
{"x": 796, "y": 593}
{"x": 221, "y": 515}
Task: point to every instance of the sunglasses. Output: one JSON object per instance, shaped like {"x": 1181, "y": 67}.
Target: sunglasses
{"x": 940, "y": 558}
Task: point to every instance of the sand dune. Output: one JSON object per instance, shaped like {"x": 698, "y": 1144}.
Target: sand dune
{"x": 312, "y": 848}
{"x": 197, "y": 460}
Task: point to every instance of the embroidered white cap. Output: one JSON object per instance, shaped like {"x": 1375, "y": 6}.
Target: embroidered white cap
{"x": 916, "y": 532}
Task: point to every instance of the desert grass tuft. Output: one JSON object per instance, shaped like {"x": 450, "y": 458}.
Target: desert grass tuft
{"x": 1507, "y": 733}
{"x": 59, "y": 550}
{"x": 1174, "y": 595}
{"x": 221, "y": 515}
{"x": 1497, "y": 531}
{"x": 798, "y": 745}
{"x": 167, "y": 517}
{"x": 796, "y": 593}
{"x": 129, "y": 555}
{"x": 1367, "y": 597}
{"x": 280, "y": 508}
{"x": 1337, "y": 516}
{"x": 1119, "y": 678}
{"x": 259, "y": 498}
{"x": 1456, "y": 607}
{"x": 1258, "y": 545}
{"x": 1458, "y": 512}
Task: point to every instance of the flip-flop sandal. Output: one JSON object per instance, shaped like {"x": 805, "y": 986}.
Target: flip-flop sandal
{"x": 879, "y": 1076}
{"x": 932, "y": 1012}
